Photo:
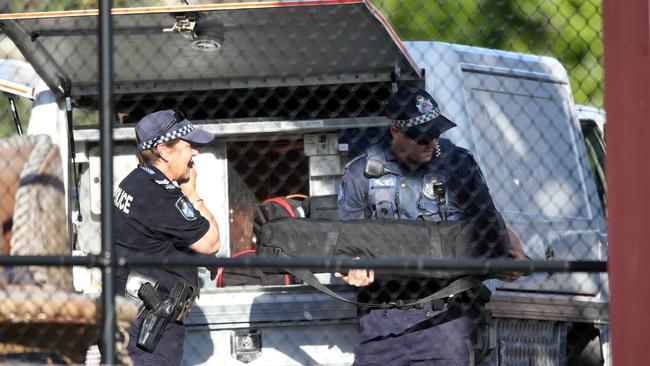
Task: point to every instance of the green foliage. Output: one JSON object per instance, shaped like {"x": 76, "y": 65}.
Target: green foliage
{"x": 7, "y": 125}
{"x": 20, "y": 6}
{"x": 569, "y": 30}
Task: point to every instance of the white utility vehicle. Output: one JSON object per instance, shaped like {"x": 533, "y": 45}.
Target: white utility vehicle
{"x": 288, "y": 86}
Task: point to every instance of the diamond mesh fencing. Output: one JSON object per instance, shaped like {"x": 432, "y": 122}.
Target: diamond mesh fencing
{"x": 389, "y": 182}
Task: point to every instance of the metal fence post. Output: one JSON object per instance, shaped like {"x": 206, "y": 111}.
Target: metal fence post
{"x": 106, "y": 140}
{"x": 627, "y": 100}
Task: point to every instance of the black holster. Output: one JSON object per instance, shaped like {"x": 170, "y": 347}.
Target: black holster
{"x": 160, "y": 312}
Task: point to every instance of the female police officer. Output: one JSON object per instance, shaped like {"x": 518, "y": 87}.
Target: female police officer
{"x": 158, "y": 218}
{"x": 429, "y": 179}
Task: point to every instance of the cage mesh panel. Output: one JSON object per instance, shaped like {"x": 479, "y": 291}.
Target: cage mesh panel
{"x": 286, "y": 126}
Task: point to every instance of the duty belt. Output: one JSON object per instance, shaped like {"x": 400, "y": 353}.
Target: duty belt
{"x": 438, "y": 304}
{"x": 479, "y": 294}
{"x": 470, "y": 303}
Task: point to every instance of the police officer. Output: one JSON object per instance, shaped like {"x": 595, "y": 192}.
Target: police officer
{"x": 158, "y": 214}
{"x": 428, "y": 178}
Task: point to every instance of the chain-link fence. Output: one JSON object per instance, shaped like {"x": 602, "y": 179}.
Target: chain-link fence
{"x": 454, "y": 148}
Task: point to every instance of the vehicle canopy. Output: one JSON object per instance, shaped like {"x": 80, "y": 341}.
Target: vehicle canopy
{"x": 251, "y": 46}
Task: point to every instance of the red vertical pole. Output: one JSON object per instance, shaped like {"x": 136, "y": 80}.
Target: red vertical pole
{"x": 627, "y": 102}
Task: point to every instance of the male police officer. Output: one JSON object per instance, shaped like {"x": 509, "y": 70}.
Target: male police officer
{"x": 159, "y": 218}
{"x": 429, "y": 179}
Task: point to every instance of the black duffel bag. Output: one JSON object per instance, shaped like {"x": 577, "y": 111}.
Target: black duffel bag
{"x": 485, "y": 237}
{"x": 385, "y": 238}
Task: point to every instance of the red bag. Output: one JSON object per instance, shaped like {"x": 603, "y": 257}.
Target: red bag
{"x": 279, "y": 208}
{"x": 271, "y": 209}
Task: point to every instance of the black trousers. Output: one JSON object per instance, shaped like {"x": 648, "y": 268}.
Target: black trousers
{"x": 168, "y": 352}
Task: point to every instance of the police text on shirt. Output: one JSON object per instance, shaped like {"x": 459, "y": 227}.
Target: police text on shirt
{"x": 122, "y": 200}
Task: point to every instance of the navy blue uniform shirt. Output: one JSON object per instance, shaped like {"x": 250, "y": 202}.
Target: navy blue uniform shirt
{"x": 154, "y": 218}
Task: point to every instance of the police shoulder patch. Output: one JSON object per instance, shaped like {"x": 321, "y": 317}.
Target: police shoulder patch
{"x": 186, "y": 209}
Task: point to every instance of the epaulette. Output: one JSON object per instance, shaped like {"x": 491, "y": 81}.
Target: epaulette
{"x": 468, "y": 157}
{"x": 464, "y": 153}
{"x": 165, "y": 183}
{"x": 463, "y": 150}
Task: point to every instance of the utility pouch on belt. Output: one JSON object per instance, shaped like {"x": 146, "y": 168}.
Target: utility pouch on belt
{"x": 480, "y": 294}
{"x": 160, "y": 312}
{"x": 485, "y": 335}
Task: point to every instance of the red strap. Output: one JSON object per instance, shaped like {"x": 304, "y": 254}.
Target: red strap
{"x": 247, "y": 251}
{"x": 282, "y": 202}
{"x": 219, "y": 281}
{"x": 219, "y": 277}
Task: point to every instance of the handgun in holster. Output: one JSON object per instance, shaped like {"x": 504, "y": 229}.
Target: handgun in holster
{"x": 160, "y": 312}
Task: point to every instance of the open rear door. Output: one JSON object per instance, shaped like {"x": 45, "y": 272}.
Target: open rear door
{"x": 206, "y": 47}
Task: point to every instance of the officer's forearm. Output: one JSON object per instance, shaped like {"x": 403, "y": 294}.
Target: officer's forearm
{"x": 203, "y": 210}
{"x": 210, "y": 242}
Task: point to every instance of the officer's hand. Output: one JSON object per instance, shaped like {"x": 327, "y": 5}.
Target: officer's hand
{"x": 357, "y": 277}
{"x": 189, "y": 185}
{"x": 511, "y": 276}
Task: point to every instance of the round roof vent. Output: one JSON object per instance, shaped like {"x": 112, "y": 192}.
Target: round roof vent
{"x": 206, "y": 45}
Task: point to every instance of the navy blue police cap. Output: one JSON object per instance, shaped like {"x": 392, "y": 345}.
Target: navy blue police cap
{"x": 167, "y": 125}
{"x": 415, "y": 112}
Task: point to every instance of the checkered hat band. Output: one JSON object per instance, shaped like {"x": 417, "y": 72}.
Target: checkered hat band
{"x": 183, "y": 130}
{"x": 406, "y": 123}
